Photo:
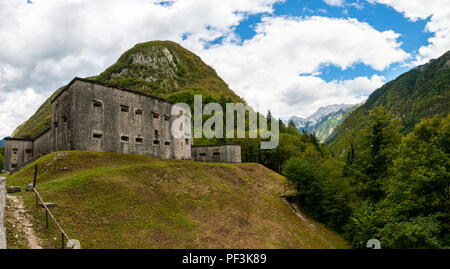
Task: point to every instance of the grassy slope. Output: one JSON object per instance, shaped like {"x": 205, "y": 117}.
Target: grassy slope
{"x": 112, "y": 200}
{"x": 176, "y": 80}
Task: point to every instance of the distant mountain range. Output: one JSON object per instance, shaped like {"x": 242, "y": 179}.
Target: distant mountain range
{"x": 324, "y": 120}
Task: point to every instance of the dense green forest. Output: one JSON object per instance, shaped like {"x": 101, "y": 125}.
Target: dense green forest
{"x": 417, "y": 94}
{"x": 391, "y": 187}
{"x": 395, "y": 188}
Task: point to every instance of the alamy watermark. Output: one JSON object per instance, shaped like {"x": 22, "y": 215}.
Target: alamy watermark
{"x": 234, "y": 126}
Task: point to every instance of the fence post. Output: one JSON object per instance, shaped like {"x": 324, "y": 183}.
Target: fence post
{"x": 34, "y": 183}
{"x": 35, "y": 175}
{"x": 47, "y": 214}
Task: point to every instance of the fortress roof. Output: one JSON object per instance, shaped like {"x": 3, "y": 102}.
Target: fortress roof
{"x": 106, "y": 85}
{"x": 28, "y": 139}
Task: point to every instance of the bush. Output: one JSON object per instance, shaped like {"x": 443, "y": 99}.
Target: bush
{"x": 420, "y": 232}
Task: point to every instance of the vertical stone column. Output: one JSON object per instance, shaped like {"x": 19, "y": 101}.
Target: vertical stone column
{"x": 2, "y": 212}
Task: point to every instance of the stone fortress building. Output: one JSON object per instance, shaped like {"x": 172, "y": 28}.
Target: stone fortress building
{"x": 93, "y": 116}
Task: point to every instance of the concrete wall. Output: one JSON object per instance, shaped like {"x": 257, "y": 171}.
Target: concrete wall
{"x": 17, "y": 151}
{"x": 107, "y": 119}
{"x": 43, "y": 143}
{"x": 2, "y": 212}
{"x": 182, "y": 146}
{"x": 62, "y": 122}
{"x": 97, "y": 117}
{"x": 217, "y": 153}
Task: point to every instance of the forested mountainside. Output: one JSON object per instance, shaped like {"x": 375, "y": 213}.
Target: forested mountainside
{"x": 417, "y": 94}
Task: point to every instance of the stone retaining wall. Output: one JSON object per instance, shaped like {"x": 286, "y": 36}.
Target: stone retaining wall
{"x": 2, "y": 212}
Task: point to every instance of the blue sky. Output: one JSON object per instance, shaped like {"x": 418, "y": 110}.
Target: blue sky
{"x": 379, "y": 16}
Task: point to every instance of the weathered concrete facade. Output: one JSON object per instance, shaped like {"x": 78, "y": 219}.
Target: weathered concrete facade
{"x": 96, "y": 117}
{"x": 92, "y": 116}
{"x": 17, "y": 151}
{"x": 42, "y": 143}
{"x": 217, "y": 153}
{"x": 21, "y": 150}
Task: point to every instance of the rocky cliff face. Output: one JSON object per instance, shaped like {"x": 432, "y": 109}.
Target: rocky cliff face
{"x": 324, "y": 120}
{"x": 164, "y": 68}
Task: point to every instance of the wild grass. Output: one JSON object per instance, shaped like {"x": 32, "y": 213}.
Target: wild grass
{"x": 112, "y": 200}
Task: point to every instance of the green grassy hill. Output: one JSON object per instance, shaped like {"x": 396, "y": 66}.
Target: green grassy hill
{"x": 160, "y": 68}
{"x": 112, "y": 200}
{"x": 422, "y": 92}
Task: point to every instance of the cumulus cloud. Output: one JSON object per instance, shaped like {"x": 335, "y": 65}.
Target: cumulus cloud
{"x": 15, "y": 106}
{"x": 282, "y": 62}
{"x": 46, "y": 44}
{"x": 338, "y": 3}
{"x": 439, "y": 23}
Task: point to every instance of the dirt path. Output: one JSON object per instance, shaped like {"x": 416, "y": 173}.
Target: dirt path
{"x": 311, "y": 225}
{"x": 22, "y": 220}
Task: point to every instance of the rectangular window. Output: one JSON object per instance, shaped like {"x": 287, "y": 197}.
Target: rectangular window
{"x": 14, "y": 165}
{"x": 28, "y": 151}
{"x": 155, "y": 115}
{"x": 138, "y": 111}
{"x": 139, "y": 140}
{"x": 216, "y": 153}
{"x": 155, "y": 142}
{"x": 124, "y": 108}
{"x": 167, "y": 143}
{"x": 124, "y": 138}
{"x": 97, "y": 135}
{"x": 97, "y": 103}
{"x": 64, "y": 118}
{"x": 55, "y": 124}
{"x": 156, "y": 134}
{"x": 166, "y": 118}
{"x": 187, "y": 141}
{"x": 202, "y": 154}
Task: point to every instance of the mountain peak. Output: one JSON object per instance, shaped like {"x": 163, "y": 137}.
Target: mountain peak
{"x": 326, "y": 110}
{"x": 160, "y": 68}
{"x": 324, "y": 120}
{"x": 319, "y": 114}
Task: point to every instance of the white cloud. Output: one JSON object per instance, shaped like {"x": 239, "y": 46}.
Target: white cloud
{"x": 46, "y": 44}
{"x": 282, "y": 61}
{"x": 439, "y": 23}
{"x": 338, "y": 3}
{"x": 16, "y": 106}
